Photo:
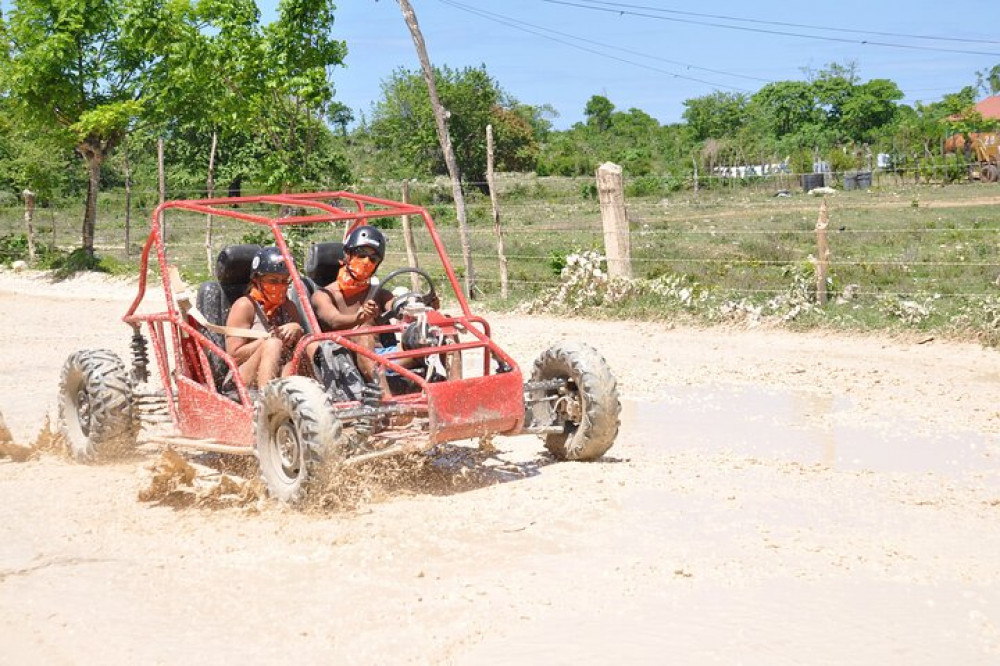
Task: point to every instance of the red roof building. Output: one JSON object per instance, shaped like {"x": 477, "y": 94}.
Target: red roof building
{"x": 990, "y": 107}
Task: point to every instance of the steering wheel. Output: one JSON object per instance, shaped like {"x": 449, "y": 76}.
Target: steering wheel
{"x": 399, "y": 302}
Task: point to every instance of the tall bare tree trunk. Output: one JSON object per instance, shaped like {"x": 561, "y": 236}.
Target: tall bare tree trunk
{"x": 94, "y": 158}
{"x": 441, "y": 122}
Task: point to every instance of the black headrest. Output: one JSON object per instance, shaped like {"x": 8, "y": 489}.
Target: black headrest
{"x": 233, "y": 264}
{"x": 323, "y": 262}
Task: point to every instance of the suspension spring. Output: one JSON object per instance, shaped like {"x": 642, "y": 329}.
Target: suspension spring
{"x": 140, "y": 358}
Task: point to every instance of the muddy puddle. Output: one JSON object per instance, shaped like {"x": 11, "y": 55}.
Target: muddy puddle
{"x": 801, "y": 426}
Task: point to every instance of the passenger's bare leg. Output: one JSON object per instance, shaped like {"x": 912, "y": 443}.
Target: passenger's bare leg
{"x": 270, "y": 361}
{"x": 248, "y": 369}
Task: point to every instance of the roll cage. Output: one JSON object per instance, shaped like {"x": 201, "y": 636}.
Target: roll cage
{"x": 491, "y": 402}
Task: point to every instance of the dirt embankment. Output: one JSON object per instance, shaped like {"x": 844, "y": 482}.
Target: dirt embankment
{"x": 772, "y": 498}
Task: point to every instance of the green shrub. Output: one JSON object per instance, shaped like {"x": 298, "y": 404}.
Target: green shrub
{"x": 14, "y": 247}
{"x": 644, "y": 186}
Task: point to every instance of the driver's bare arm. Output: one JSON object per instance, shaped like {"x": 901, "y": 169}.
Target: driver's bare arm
{"x": 333, "y": 318}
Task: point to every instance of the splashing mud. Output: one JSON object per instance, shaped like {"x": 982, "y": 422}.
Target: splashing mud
{"x": 48, "y": 440}
{"x": 177, "y": 482}
{"x": 221, "y": 481}
{"x": 445, "y": 469}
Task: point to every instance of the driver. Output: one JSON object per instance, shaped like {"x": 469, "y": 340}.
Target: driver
{"x": 354, "y": 300}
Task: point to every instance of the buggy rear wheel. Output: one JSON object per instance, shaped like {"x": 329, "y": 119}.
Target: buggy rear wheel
{"x": 990, "y": 173}
{"x": 298, "y": 437}
{"x": 95, "y": 405}
{"x": 586, "y": 406}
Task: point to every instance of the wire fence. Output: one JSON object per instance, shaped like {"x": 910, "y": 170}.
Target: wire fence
{"x": 925, "y": 241}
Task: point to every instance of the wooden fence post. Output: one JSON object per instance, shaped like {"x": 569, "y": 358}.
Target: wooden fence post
{"x": 210, "y": 190}
{"x": 611, "y": 194}
{"x": 411, "y": 246}
{"x": 128, "y": 200}
{"x": 29, "y": 217}
{"x": 163, "y": 186}
{"x": 494, "y": 200}
{"x": 822, "y": 254}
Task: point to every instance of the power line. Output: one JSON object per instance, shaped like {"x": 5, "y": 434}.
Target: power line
{"x": 795, "y": 25}
{"x": 544, "y": 33}
{"x": 784, "y": 33}
{"x": 506, "y": 20}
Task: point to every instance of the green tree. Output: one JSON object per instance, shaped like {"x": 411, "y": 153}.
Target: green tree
{"x": 952, "y": 103}
{"x": 35, "y": 158}
{"x": 988, "y": 80}
{"x": 783, "y": 107}
{"x": 68, "y": 64}
{"x": 869, "y": 107}
{"x": 715, "y": 115}
{"x": 598, "y": 112}
{"x": 632, "y": 138}
{"x": 833, "y": 87}
{"x": 295, "y": 96}
{"x": 264, "y": 89}
{"x": 403, "y": 125}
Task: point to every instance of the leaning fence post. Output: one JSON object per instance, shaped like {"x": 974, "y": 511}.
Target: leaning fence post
{"x": 611, "y": 194}
{"x": 162, "y": 177}
{"x": 822, "y": 254}
{"x": 29, "y": 216}
{"x": 495, "y": 202}
{"x": 210, "y": 191}
{"x": 128, "y": 201}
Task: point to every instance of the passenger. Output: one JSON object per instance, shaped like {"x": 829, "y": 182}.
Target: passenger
{"x": 265, "y": 308}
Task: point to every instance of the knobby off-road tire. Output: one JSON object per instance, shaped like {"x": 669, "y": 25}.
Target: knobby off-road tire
{"x": 298, "y": 437}
{"x": 95, "y": 405}
{"x": 588, "y": 408}
{"x": 990, "y": 173}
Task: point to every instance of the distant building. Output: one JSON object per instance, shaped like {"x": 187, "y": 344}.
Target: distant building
{"x": 989, "y": 107}
{"x": 753, "y": 170}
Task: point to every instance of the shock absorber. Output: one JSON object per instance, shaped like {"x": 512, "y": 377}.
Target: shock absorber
{"x": 140, "y": 358}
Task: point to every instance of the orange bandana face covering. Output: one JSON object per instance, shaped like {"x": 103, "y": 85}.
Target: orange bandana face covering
{"x": 356, "y": 276}
{"x": 270, "y": 296}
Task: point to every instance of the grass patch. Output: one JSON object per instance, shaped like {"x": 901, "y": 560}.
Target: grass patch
{"x": 744, "y": 254}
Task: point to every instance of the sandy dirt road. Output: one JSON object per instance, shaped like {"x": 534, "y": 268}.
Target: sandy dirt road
{"x": 773, "y": 498}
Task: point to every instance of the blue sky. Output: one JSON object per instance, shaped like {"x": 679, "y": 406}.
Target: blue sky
{"x": 544, "y": 69}
{"x": 538, "y": 70}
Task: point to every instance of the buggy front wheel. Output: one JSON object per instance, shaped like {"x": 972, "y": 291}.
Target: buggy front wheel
{"x": 586, "y": 406}
{"x": 298, "y": 437}
{"x": 95, "y": 405}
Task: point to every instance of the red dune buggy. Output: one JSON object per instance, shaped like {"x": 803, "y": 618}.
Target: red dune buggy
{"x": 450, "y": 380}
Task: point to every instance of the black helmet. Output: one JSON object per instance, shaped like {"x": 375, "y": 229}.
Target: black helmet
{"x": 365, "y": 236}
{"x": 267, "y": 261}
